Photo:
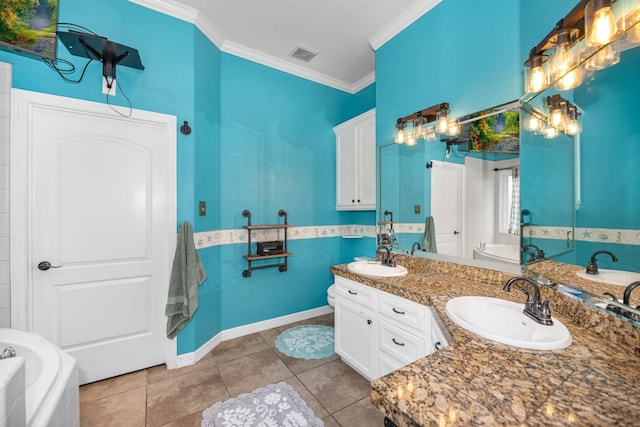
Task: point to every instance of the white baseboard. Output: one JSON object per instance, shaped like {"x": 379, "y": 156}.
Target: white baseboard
{"x": 192, "y": 358}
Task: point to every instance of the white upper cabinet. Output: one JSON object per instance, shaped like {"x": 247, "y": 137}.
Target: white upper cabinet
{"x": 356, "y": 163}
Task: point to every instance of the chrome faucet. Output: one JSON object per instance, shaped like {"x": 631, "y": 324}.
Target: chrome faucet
{"x": 533, "y": 307}
{"x": 592, "y": 265}
{"x": 416, "y": 245}
{"x": 386, "y": 258}
{"x": 626, "y": 299}
{"x": 539, "y": 252}
{"x": 619, "y": 308}
{"x": 8, "y": 352}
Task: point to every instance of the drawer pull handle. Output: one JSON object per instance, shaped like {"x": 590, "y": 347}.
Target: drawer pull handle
{"x": 401, "y": 344}
{"x": 352, "y": 293}
{"x": 437, "y": 345}
{"x": 397, "y": 311}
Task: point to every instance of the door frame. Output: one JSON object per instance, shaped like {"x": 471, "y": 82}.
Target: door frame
{"x": 21, "y": 196}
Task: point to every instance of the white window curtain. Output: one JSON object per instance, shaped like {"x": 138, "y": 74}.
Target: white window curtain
{"x": 514, "y": 219}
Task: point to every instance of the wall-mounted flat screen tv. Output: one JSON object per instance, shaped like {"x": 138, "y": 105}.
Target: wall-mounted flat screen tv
{"x": 28, "y": 27}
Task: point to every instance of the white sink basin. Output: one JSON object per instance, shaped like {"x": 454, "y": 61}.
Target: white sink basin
{"x": 611, "y": 277}
{"x": 376, "y": 269}
{"x": 503, "y": 321}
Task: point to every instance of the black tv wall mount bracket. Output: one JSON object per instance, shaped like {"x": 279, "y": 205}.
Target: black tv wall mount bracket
{"x": 101, "y": 49}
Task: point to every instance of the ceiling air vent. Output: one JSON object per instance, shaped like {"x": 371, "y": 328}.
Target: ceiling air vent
{"x": 302, "y": 53}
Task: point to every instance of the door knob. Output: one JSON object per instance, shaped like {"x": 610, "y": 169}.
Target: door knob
{"x": 456, "y": 232}
{"x": 45, "y": 265}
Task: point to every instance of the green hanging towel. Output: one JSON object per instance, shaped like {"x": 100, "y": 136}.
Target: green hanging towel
{"x": 429, "y": 240}
{"x": 187, "y": 273}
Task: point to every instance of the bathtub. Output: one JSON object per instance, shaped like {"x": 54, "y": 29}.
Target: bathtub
{"x": 498, "y": 253}
{"x": 50, "y": 389}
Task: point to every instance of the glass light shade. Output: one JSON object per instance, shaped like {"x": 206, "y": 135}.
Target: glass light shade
{"x": 603, "y": 58}
{"x": 549, "y": 132}
{"x": 558, "y": 118}
{"x": 419, "y": 129}
{"x": 599, "y": 23}
{"x": 572, "y": 127}
{"x": 441, "y": 121}
{"x": 400, "y": 137}
{"x": 562, "y": 62}
{"x": 533, "y": 124}
{"x": 430, "y": 134}
{"x": 633, "y": 31}
{"x": 535, "y": 78}
{"x": 453, "y": 127}
{"x": 411, "y": 139}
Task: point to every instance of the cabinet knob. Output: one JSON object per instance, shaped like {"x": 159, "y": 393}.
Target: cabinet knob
{"x": 353, "y": 201}
{"x": 368, "y": 321}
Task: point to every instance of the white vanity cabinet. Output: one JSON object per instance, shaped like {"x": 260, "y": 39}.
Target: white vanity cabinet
{"x": 355, "y": 337}
{"x": 356, "y": 163}
{"x": 377, "y": 332}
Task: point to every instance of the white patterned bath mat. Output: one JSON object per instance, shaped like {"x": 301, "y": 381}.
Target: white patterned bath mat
{"x": 275, "y": 405}
{"x": 307, "y": 342}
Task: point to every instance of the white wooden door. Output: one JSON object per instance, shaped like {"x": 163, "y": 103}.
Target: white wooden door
{"x": 447, "y": 190}
{"x": 103, "y": 213}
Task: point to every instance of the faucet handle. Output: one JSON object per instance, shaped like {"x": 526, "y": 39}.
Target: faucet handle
{"x": 545, "y": 308}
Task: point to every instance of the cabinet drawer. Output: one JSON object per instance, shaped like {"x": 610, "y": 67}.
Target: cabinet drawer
{"x": 387, "y": 364}
{"x": 355, "y": 292}
{"x": 399, "y": 343}
{"x": 403, "y": 311}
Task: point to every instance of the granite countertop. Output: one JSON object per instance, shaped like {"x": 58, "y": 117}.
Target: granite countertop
{"x": 475, "y": 381}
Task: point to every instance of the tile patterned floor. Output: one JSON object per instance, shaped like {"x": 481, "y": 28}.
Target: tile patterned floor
{"x": 157, "y": 397}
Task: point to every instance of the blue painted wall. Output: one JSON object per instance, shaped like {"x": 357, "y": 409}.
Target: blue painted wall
{"x": 609, "y": 157}
{"x": 457, "y": 54}
{"x": 262, "y": 140}
{"x": 276, "y": 150}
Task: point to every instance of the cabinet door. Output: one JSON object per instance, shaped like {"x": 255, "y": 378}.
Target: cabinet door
{"x": 355, "y": 334}
{"x": 345, "y": 173}
{"x": 367, "y": 163}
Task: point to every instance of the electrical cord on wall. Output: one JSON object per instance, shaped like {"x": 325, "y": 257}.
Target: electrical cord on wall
{"x": 63, "y": 72}
{"x": 123, "y": 94}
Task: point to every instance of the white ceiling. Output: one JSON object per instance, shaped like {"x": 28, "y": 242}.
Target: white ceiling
{"x": 345, "y": 33}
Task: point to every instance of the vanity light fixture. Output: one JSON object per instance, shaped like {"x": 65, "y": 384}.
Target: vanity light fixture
{"x": 572, "y": 127}
{"x": 535, "y": 77}
{"x": 430, "y": 134}
{"x": 453, "y": 127}
{"x": 563, "y": 67}
{"x": 534, "y": 122}
{"x": 599, "y": 23}
{"x": 442, "y": 120}
{"x": 419, "y": 121}
{"x": 400, "y": 125}
{"x": 594, "y": 25}
{"x": 563, "y": 116}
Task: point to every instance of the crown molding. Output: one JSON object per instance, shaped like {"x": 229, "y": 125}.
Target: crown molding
{"x": 287, "y": 67}
{"x": 171, "y": 8}
{"x": 401, "y": 22}
{"x": 184, "y": 13}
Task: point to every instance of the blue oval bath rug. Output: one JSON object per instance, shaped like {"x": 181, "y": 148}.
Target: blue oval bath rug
{"x": 307, "y": 342}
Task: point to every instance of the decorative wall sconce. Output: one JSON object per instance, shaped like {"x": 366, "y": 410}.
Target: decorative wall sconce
{"x": 419, "y": 120}
{"x": 586, "y": 39}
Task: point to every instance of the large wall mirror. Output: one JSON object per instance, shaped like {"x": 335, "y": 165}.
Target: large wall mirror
{"x": 578, "y": 195}
{"x": 469, "y": 188}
